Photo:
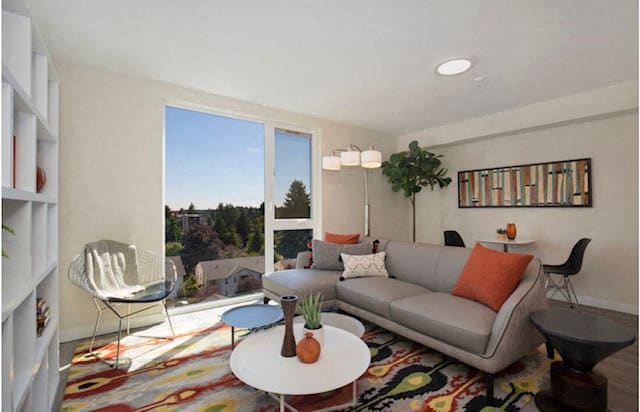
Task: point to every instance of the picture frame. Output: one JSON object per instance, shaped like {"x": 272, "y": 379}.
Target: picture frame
{"x": 564, "y": 183}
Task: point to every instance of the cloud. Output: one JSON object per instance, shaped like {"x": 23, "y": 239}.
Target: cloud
{"x": 253, "y": 150}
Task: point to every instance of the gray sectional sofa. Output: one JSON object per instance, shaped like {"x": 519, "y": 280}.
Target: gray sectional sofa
{"x": 415, "y": 302}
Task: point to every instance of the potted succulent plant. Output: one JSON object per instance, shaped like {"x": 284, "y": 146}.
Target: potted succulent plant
{"x": 502, "y": 234}
{"x": 311, "y": 310}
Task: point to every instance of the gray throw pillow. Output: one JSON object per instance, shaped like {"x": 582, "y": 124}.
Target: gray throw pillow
{"x": 326, "y": 256}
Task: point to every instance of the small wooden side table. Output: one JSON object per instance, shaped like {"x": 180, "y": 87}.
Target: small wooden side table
{"x": 582, "y": 340}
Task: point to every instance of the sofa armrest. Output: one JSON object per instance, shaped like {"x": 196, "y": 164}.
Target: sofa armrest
{"x": 513, "y": 334}
{"x": 302, "y": 259}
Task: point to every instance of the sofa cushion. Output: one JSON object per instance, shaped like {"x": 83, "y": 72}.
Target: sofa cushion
{"x": 413, "y": 262}
{"x": 490, "y": 276}
{"x": 450, "y": 264}
{"x": 375, "y": 293}
{"x": 457, "y": 321}
{"x": 326, "y": 255}
{"x": 301, "y": 282}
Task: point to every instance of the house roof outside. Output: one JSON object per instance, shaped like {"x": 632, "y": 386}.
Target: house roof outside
{"x": 223, "y": 268}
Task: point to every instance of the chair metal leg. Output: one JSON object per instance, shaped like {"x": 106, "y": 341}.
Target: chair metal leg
{"x": 95, "y": 326}
{"x": 488, "y": 379}
{"x": 168, "y": 318}
{"x": 118, "y": 346}
{"x": 572, "y": 291}
{"x": 128, "y": 318}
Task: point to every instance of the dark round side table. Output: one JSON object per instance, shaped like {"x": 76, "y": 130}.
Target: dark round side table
{"x": 251, "y": 317}
{"x": 582, "y": 340}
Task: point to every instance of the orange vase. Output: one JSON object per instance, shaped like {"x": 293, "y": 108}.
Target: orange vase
{"x": 511, "y": 231}
{"x": 308, "y": 349}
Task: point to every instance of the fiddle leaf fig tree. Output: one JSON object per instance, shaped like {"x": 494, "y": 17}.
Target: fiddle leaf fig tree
{"x": 411, "y": 170}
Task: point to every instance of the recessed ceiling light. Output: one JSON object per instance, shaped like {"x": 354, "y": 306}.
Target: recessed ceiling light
{"x": 453, "y": 67}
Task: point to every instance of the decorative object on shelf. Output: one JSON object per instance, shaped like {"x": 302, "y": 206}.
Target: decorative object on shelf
{"x": 311, "y": 308}
{"x": 564, "y": 183}
{"x": 41, "y": 179}
{"x": 10, "y": 230}
{"x": 511, "y": 231}
{"x": 502, "y": 234}
{"x": 288, "y": 304}
{"x": 354, "y": 156}
{"x": 413, "y": 169}
{"x": 308, "y": 349}
{"x": 42, "y": 315}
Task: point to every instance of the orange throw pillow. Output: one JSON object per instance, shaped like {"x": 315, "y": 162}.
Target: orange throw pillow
{"x": 489, "y": 276}
{"x": 350, "y": 239}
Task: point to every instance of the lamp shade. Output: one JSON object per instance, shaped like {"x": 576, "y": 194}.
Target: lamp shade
{"x": 350, "y": 158}
{"x": 330, "y": 163}
{"x": 371, "y": 159}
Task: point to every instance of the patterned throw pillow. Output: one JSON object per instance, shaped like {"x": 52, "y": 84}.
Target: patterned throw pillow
{"x": 364, "y": 265}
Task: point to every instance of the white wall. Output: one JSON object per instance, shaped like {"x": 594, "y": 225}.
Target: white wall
{"x": 609, "y": 277}
{"x": 111, "y": 158}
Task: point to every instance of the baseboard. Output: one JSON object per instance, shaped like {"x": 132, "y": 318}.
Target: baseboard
{"x": 109, "y": 326}
{"x": 603, "y": 304}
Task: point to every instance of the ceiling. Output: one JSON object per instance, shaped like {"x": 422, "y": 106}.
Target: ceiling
{"x": 369, "y": 63}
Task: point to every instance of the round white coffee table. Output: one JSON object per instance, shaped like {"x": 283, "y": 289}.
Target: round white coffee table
{"x": 256, "y": 361}
{"x": 337, "y": 320}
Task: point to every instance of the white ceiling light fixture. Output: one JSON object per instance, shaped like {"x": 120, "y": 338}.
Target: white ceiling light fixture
{"x": 454, "y": 67}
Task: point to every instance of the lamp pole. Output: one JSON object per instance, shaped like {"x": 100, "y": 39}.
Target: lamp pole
{"x": 366, "y": 201}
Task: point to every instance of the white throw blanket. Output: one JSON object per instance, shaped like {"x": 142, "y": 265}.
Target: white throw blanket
{"x": 107, "y": 262}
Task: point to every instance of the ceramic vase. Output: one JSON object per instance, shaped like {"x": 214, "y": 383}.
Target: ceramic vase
{"x": 288, "y": 304}
{"x": 511, "y": 231}
{"x": 317, "y": 334}
{"x": 308, "y": 349}
{"x": 41, "y": 179}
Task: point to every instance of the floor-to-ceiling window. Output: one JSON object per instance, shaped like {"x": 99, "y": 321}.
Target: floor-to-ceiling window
{"x": 239, "y": 201}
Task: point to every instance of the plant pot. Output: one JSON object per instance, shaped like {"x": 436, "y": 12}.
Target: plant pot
{"x": 317, "y": 334}
{"x": 502, "y": 237}
{"x": 511, "y": 231}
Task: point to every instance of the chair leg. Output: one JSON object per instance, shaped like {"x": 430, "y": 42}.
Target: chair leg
{"x": 95, "y": 326}
{"x": 572, "y": 291}
{"x": 168, "y": 318}
{"x": 118, "y": 345}
{"x": 265, "y": 300}
{"x": 128, "y": 318}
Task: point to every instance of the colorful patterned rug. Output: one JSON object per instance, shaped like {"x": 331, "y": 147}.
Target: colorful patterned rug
{"x": 191, "y": 373}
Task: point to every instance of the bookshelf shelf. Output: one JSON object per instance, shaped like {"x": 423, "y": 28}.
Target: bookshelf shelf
{"x": 30, "y": 363}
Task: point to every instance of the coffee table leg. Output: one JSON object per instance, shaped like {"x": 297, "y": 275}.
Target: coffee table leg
{"x": 505, "y": 248}
{"x": 282, "y": 403}
{"x": 233, "y": 339}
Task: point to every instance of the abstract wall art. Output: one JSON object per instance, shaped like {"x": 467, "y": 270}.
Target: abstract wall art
{"x": 564, "y": 183}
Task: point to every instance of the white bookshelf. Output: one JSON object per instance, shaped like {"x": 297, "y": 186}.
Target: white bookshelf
{"x": 30, "y": 91}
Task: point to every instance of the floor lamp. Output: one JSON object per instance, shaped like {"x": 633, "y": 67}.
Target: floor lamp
{"x": 354, "y": 156}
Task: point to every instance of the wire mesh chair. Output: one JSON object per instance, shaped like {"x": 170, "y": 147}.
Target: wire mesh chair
{"x": 572, "y": 266}
{"x": 153, "y": 275}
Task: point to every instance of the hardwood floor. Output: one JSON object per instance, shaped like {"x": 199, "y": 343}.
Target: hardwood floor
{"x": 621, "y": 369}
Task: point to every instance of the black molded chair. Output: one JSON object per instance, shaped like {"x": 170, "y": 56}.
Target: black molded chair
{"x": 453, "y": 238}
{"x": 572, "y": 266}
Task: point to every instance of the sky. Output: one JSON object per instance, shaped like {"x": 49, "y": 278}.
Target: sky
{"x": 211, "y": 159}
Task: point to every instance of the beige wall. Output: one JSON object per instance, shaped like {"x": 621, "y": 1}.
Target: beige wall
{"x": 111, "y": 158}
{"x": 610, "y": 272}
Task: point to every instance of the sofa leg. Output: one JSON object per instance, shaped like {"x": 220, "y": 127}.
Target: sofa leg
{"x": 265, "y": 300}
{"x": 488, "y": 378}
{"x": 549, "y": 350}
